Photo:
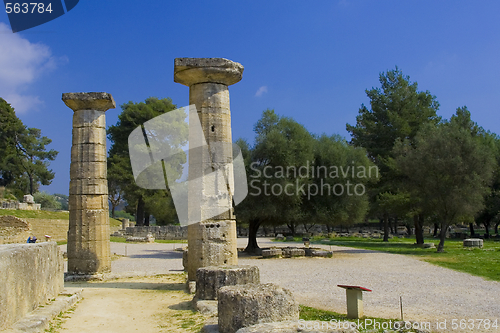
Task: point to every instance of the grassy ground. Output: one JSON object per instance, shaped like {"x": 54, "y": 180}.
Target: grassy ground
{"x": 46, "y": 214}
{"x": 481, "y": 262}
{"x": 35, "y": 214}
{"x": 322, "y": 317}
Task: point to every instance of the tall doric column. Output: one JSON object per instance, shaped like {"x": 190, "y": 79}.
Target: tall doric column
{"x": 211, "y": 241}
{"x": 88, "y": 234}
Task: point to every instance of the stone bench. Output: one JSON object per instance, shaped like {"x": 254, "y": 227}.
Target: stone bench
{"x": 245, "y": 305}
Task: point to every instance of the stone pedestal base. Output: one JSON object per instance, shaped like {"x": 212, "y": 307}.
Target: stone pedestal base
{"x": 246, "y": 305}
{"x": 211, "y": 243}
{"x": 210, "y": 279}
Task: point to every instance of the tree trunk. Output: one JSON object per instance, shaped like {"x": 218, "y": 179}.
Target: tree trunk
{"x": 112, "y": 210}
{"x": 419, "y": 230}
{"x": 471, "y": 228}
{"x": 291, "y": 226}
{"x": 253, "y": 227}
{"x": 146, "y": 219}
{"x": 328, "y": 228}
{"x": 386, "y": 228}
{"x": 487, "y": 229}
{"x": 139, "y": 214}
{"x": 442, "y": 237}
{"x": 496, "y": 228}
{"x": 436, "y": 227}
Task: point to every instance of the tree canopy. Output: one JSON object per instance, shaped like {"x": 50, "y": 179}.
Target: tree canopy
{"x": 25, "y": 160}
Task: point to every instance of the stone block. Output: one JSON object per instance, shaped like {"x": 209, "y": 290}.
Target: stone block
{"x": 86, "y": 169}
{"x": 89, "y": 118}
{"x": 89, "y": 135}
{"x": 211, "y": 243}
{"x": 31, "y": 274}
{"x": 88, "y": 152}
{"x": 88, "y": 186}
{"x": 291, "y": 252}
{"x": 210, "y": 279}
{"x": 245, "y": 305}
{"x": 272, "y": 253}
{"x": 301, "y": 326}
{"x": 280, "y": 237}
{"x": 190, "y": 71}
{"x": 473, "y": 242}
{"x": 89, "y": 101}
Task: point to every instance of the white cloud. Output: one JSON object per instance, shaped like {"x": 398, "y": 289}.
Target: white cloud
{"x": 261, "y": 91}
{"x": 21, "y": 63}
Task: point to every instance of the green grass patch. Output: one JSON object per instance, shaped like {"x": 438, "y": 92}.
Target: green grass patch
{"x": 483, "y": 262}
{"x": 117, "y": 239}
{"x": 35, "y": 214}
{"x": 317, "y": 315}
{"x": 115, "y": 223}
{"x": 170, "y": 241}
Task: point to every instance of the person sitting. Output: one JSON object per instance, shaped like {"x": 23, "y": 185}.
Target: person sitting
{"x": 31, "y": 239}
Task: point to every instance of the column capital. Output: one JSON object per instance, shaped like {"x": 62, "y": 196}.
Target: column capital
{"x": 189, "y": 71}
{"x": 99, "y": 101}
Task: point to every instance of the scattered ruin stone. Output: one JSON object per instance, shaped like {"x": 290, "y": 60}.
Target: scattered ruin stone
{"x": 428, "y": 246}
{"x": 246, "y": 305}
{"x": 272, "y": 253}
{"x": 289, "y": 238}
{"x": 280, "y": 237}
{"x": 125, "y": 224}
{"x": 291, "y": 252}
{"x": 88, "y": 234}
{"x": 301, "y": 326}
{"x": 210, "y": 279}
{"x": 473, "y": 242}
{"x": 212, "y": 241}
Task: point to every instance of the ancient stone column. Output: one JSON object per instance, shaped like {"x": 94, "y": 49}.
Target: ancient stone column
{"x": 88, "y": 234}
{"x": 212, "y": 241}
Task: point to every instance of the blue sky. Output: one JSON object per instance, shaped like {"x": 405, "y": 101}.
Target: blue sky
{"x": 309, "y": 60}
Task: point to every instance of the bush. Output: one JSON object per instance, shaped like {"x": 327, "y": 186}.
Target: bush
{"x": 48, "y": 201}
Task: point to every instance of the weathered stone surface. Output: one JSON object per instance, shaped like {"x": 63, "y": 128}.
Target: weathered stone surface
{"x": 99, "y": 101}
{"x": 31, "y": 274}
{"x": 88, "y": 234}
{"x": 190, "y": 71}
{"x": 212, "y": 241}
{"x": 301, "y": 326}
{"x": 272, "y": 253}
{"x": 291, "y": 252}
{"x": 14, "y": 230}
{"x": 210, "y": 279}
{"x": 246, "y": 305}
{"x": 473, "y": 242}
{"x": 207, "y": 307}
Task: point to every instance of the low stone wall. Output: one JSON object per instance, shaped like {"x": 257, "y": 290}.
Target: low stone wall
{"x": 165, "y": 232}
{"x": 30, "y": 275}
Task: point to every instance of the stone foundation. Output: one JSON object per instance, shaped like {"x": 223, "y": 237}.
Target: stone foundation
{"x": 31, "y": 274}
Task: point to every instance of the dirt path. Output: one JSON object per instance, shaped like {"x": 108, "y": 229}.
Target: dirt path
{"x": 149, "y": 304}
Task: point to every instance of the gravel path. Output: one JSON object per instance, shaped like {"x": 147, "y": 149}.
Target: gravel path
{"x": 429, "y": 292}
